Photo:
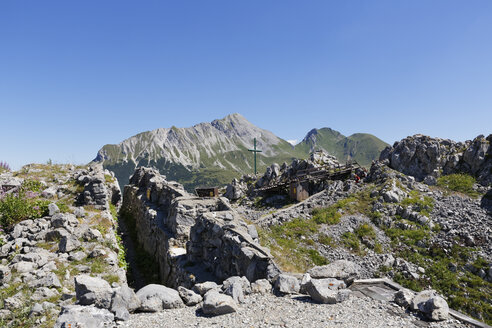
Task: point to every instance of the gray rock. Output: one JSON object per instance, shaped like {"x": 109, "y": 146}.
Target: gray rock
{"x": 189, "y": 297}
{"x": 79, "y": 212}
{"x": 235, "y": 290}
{"x": 77, "y": 256}
{"x": 53, "y": 209}
{"x": 57, "y": 234}
{"x": 403, "y": 298}
{"x": 155, "y": 298}
{"x": 421, "y": 298}
{"x": 215, "y": 303}
{"x": 92, "y": 234}
{"x": 204, "y": 287}
{"x": 23, "y": 267}
{"x": 435, "y": 309}
{"x": 50, "y": 280}
{"x": 64, "y": 220}
{"x": 261, "y": 286}
{"x": 49, "y": 193}
{"x": 36, "y": 309}
{"x": 84, "y": 316}
{"x": 13, "y": 302}
{"x": 326, "y": 290}
{"x": 341, "y": 269}
{"x": 90, "y": 290}
{"x": 306, "y": 278}
{"x": 68, "y": 244}
{"x": 124, "y": 297}
{"x": 43, "y": 293}
{"x": 243, "y": 281}
{"x": 287, "y": 284}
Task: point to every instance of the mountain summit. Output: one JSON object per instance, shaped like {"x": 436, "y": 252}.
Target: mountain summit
{"x": 216, "y": 152}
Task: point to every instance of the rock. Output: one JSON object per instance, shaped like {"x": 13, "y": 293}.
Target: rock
{"x": 306, "y": 278}
{"x": 49, "y": 193}
{"x": 326, "y": 290}
{"x": 403, "y": 298}
{"x": 57, "y": 234}
{"x": 215, "y": 303}
{"x": 5, "y": 274}
{"x": 36, "y": 309}
{"x": 235, "y": 290}
{"x": 79, "y": 212}
{"x": 189, "y": 297}
{"x": 261, "y": 286}
{"x": 124, "y": 297}
{"x": 53, "y": 209}
{"x": 77, "y": 256}
{"x": 43, "y": 293}
{"x": 96, "y": 291}
{"x": 155, "y": 298}
{"x": 341, "y": 269}
{"x": 243, "y": 281}
{"x": 50, "y": 280}
{"x": 68, "y": 244}
{"x": 64, "y": 220}
{"x": 287, "y": 284}
{"x": 92, "y": 234}
{"x": 435, "y": 309}
{"x": 204, "y": 287}
{"x": 421, "y": 298}
{"x": 83, "y": 316}
{"x": 23, "y": 267}
{"x": 14, "y": 302}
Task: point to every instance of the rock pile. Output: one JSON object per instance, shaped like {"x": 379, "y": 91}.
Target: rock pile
{"x": 426, "y": 158}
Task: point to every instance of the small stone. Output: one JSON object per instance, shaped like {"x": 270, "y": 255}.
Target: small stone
{"x": 189, "y": 297}
{"x": 53, "y": 209}
{"x": 215, "y": 303}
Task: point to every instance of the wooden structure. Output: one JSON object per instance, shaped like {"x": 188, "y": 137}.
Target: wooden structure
{"x": 300, "y": 186}
{"x": 207, "y": 192}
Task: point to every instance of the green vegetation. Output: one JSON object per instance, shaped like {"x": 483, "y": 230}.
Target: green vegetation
{"x": 421, "y": 204}
{"x": 122, "y": 263}
{"x": 22, "y": 205}
{"x": 462, "y": 183}
{"x": 351, "y": 241}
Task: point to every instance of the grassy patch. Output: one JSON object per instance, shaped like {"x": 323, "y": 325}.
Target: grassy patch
{"x": 423, "y": 205}
{"x": 462, "y": 183}
{"x": 351, "y": 241}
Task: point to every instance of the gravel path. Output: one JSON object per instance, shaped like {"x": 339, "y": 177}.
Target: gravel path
{"x": 298, "y": 311}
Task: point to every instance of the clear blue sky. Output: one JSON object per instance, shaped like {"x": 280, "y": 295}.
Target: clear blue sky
{"x": 75, "y": 75}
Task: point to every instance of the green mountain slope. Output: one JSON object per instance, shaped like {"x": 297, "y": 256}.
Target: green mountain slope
{"x": 361, "y": 147}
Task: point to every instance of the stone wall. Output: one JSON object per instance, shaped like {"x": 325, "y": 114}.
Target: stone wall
{"x": 193, "y": 239}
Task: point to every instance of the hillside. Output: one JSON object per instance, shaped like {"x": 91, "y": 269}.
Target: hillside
{"x": 214, "y": 153}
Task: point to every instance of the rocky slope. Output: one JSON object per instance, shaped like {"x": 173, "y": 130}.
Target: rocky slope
{"x": 70, "y": 231}
{"x": 213, "y": 153}
{"x": 428, "y": 158}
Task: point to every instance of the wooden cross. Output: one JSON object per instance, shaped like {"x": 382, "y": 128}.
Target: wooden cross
{"x": 254, "y": 150}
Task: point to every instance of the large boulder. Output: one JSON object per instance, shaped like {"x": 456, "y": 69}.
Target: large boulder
{"x": 286, "y": 284}
{"x": 215, "y": 303}
{"x": 189, "y": 297}
{"x": 341, "y": 269}
{"x": 403, "y": 298}
{"x": 68, "y": 244}
{"x": 83, "y": 316}
{"x": 93, "y": 291}
{"x": 123, "y": 302}
{"x": 261, "y": 286}
{"x": 435, "y": 309}
{"x": 155, "y": 298}
{"x": 327, "y": 290}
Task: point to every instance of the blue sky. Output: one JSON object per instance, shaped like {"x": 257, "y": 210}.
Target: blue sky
{"x": 75, "y": 75}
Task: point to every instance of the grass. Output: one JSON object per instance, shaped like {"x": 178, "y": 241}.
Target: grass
{"x": 421, "y": 204}
{"x": 351, "y": 241}
{"x": 461, "y": 183}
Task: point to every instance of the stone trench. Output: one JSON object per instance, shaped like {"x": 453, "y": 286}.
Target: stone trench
{"x": 192, "y": 239}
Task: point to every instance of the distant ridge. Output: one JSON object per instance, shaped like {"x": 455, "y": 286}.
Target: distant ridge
{"x": 214, "y": 153}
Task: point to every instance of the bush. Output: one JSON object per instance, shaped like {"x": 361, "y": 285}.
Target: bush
{"x": 16, "y": 207}
{"x": 4, "y": 167}
{"x": 458, "y": 182}
{"x": 365, "y": 230}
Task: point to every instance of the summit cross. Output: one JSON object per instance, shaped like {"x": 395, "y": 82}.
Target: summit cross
{"x": 254, "y": 150}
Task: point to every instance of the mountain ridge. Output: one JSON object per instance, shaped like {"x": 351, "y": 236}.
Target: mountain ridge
{"x": 216, "y": 152}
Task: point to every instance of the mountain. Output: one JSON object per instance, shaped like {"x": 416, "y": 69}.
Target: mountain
{"x": 215, "y": 153}
{"x": 361, "y": 147}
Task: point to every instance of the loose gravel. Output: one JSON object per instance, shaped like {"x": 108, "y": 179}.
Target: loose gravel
{"x": 297, "y": 311}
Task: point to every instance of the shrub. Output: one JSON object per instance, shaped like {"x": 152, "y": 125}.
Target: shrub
{"x": 458, "y": 182}
{"x": 351, "y": 241}
{"x": 16, "y": 207}
{"x": 326, "y": 215}
{"x": 365, "y": 230}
